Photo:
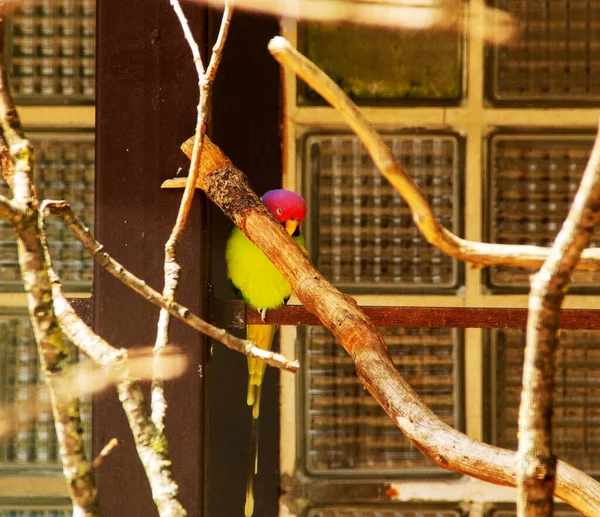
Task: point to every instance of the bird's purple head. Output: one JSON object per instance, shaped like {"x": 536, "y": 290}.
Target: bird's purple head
{"x": 285, "y": 205}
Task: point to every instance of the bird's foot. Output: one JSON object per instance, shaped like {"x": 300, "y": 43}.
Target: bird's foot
{"x": 263, "y": 314}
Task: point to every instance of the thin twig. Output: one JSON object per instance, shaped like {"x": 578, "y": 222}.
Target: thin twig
{"x": 537, "y": 463}
{"x": 248, "y": 348}
{"x": 171, "y": 267}
{"x": 498, "y": 26}
{"x": 51, "y": 345}
{"x": 479, "y": 253}
{"x": 217, "y": 51}
{"x": 106, "y": 450}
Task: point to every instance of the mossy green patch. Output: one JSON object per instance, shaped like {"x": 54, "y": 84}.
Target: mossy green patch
{"x": 373, "y": 63}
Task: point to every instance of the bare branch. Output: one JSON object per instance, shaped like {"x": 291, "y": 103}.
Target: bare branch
{"x": 484, "y": 22}
{"x": 171, "y": 267}
{"x": 217, "y": 51}
{"x": 537, "y": 463}
{"x": 106, "y": 450}
{"x": 189, "y": 37}
{"x": 151, "y": 445}
{"x": 225, "y": 185}
{"x": 249, "y": 349}
{"x": 478, "y": 253}
{"x": 52, "y": 348}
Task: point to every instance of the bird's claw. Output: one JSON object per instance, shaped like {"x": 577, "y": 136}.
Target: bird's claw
{"x": 263, "y": 314}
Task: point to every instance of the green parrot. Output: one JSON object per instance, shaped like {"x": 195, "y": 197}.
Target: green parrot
{"x": 258, "y": 282}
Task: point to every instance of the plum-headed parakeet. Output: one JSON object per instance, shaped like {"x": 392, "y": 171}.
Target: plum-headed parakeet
{"x": 256, "y": 280}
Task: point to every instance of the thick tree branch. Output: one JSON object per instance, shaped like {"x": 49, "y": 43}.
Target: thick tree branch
{"x": 537, "y": 463}
{"x": 228, "y": 188}
{"x": 52, "y": 348}
{"x": 248, "y": 348}
{"x": 478, "y": 253}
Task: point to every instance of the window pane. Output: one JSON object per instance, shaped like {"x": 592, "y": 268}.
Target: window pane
{"x": 557, "y": 56}
{"x": 346, "y": 431}
{"x": 64, "y": 169}
{"x": 376, "y": 65}
{"x": 576, "y": 421}
{"x": 362, "y": 234}
{"x": 534, "y": 179}
{"x": 35, "y": 444}
{"x": 51, "y": 47}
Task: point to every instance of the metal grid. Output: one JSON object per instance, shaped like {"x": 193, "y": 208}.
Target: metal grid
{"x": 576, "y": 421}
{"x": 375, "y": 66}
{"x": 64, "y": 170}
{"x": 362, "y": 234}
{"x": 35, "y": 444}
{"x": 346, "y": 431}
{"x": 557, "y": 55}
{"x": 396, "y": 511}
{"x": 533, "y": 180}
{"x": 51, "y": 48}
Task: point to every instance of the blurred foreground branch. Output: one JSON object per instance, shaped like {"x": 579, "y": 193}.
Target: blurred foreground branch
{"x": 478, "y": 20}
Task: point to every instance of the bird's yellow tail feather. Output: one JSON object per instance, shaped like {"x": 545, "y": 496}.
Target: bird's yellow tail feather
{"x": 262, "y": 335}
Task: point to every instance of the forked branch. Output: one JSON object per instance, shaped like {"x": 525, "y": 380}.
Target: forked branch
{"x": 483, "y": 22}
{"x": 171, "y": 267}
{"x": 477, "y": 253}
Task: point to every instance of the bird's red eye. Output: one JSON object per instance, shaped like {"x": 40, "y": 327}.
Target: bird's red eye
{"x": 279, "y": 211}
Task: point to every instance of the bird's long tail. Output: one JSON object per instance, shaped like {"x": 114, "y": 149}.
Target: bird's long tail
{"x": 262, "y": 335}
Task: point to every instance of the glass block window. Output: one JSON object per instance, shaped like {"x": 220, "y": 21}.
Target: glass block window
{"x": 557, "y": 56}
{"x": 362, "y": 234}
{"x": 374, "y": 65}
{"x": 576, "y": 420}
{"x": 533, "y": 181}
{"x": 346, "y": 431}
{"x": 35, "y": 443}
{"x": 64, "y": 170}
{"x": 51, "y": 50}
{"x": 396, "y": 511}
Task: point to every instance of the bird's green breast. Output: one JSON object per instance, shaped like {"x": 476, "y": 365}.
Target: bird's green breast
{"x": 252, "y": 273}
